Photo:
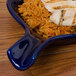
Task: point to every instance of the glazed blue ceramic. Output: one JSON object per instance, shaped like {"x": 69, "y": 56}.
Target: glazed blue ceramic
{"x": 24, "y": 52}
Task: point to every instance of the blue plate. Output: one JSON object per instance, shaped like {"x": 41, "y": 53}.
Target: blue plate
{"x": 24, "y": 52}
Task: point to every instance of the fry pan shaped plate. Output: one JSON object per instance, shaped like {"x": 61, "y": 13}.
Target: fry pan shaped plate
{"x": 25, "y": 51}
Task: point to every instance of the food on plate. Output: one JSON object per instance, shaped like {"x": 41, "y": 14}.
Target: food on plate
{"x": 49, "y": 18}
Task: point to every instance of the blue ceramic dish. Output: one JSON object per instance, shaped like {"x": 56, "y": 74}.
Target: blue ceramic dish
{"x": 24, "y": 52}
